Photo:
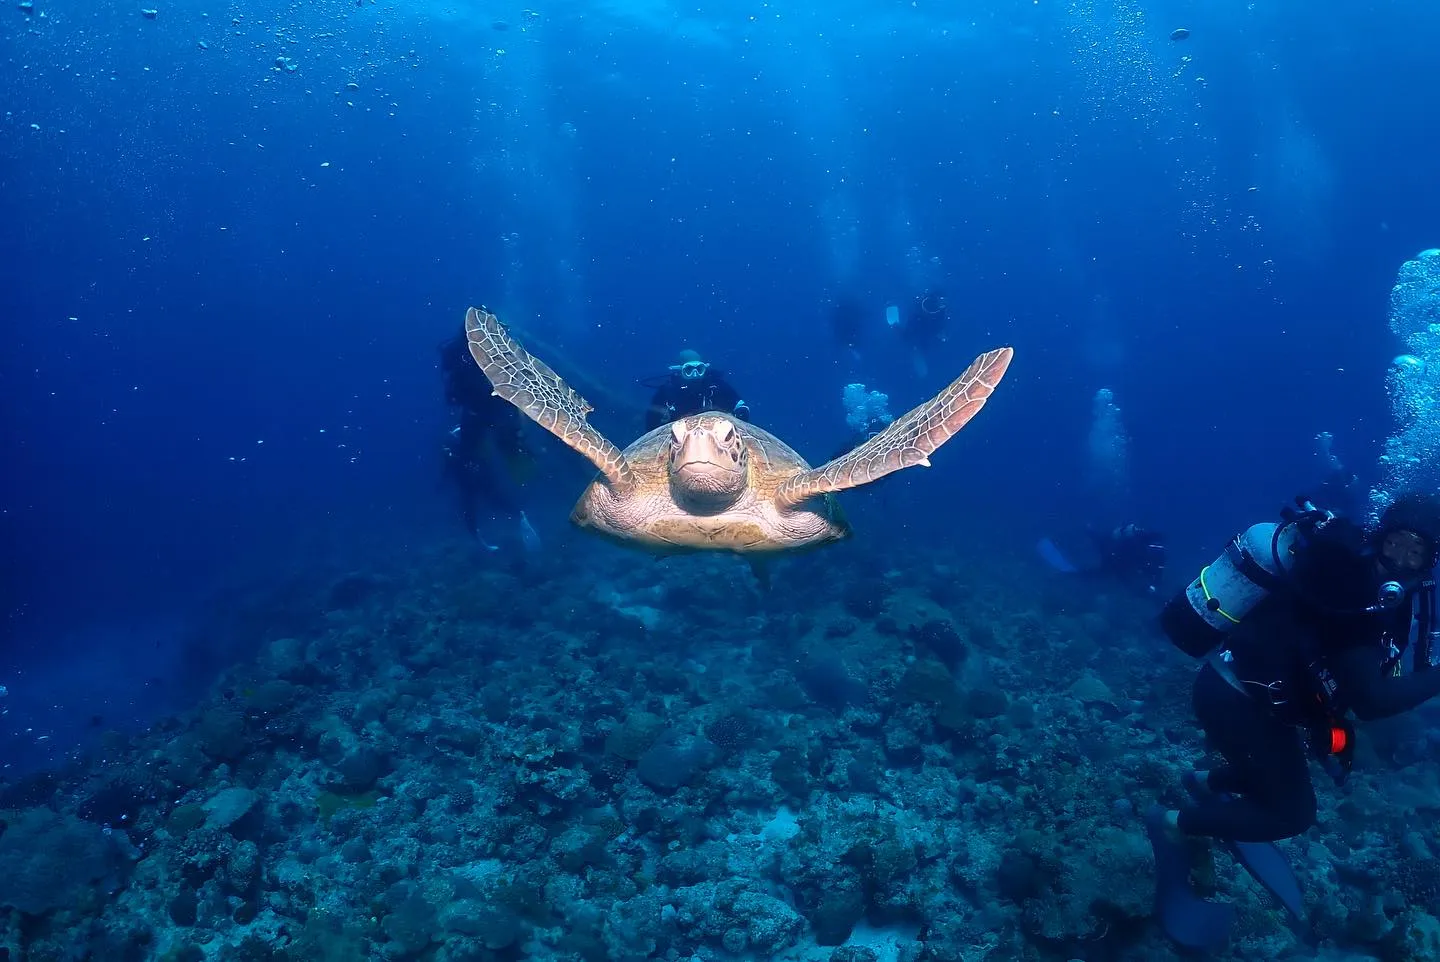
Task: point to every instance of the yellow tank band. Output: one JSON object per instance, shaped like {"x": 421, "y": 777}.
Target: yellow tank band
{"x": 1209, "y": 597}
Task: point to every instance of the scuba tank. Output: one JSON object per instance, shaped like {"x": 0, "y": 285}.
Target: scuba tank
{"x": 1255, "y": 562}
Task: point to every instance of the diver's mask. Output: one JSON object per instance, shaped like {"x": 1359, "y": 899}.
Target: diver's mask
{"x": 691, "y": 370}
{"x": 1405, "y": 555}
{"x": 1405, "y": 558}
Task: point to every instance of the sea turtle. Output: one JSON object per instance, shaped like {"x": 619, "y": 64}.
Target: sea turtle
{"x": 711, "y": 482}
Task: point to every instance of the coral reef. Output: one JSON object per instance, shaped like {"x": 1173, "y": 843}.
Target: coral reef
{"x": 608, "y": 760}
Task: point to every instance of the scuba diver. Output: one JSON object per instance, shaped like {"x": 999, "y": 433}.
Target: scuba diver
{"x": 490, "y": 429}
{"x": 1128, "y": 554}
{"x": 1300, "y": 624}
{"x": 692, "y": 386}
{"x": 847, "y": 319}
{"x": 1341, "y": 488}
{"x": 925, "y": 327}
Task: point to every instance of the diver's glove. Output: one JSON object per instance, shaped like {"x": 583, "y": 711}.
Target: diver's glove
{"x": 529, "y": 537}
{"x": 742, "y": 410}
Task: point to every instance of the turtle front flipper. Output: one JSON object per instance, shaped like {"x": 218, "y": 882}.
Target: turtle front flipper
{"x": 910, "y": 439}
{"x": 528, "y": 383}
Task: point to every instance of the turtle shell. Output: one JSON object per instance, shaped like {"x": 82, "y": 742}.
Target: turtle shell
{"x": 649, "y": 515}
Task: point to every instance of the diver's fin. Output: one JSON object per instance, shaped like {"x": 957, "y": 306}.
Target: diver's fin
{"x": 761, "y": 570}
{"x": 1263, "y": 860}
{"x": 1269, "y": 866}
{"x": 1053, "y": 557}
{"x": 1190, "y": 921}
{"x": 529, "y": 537}
{"x": 922, "y": 368}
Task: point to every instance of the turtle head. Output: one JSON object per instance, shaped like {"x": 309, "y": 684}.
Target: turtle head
{"x": 708, "y": 461}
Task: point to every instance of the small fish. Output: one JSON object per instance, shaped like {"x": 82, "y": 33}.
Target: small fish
{"x": 1180, "y": 33}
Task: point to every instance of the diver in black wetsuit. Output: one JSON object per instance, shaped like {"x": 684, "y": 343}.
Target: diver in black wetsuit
{"x": 693, "y": 386}
{"x": 847, "y": 319}
{"x": 1130, "y": 554}
{"x": 1302, "y": 625}
{"x": 854, "y": 439}
{"x": 926, "y": 326}
{"x": 1339, "y": 489}
{"x": 486, "y": 445}
{"x": 1322, "y": 646}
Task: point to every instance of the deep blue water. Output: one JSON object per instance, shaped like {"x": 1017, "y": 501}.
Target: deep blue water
{"x": 226, "y": 280}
